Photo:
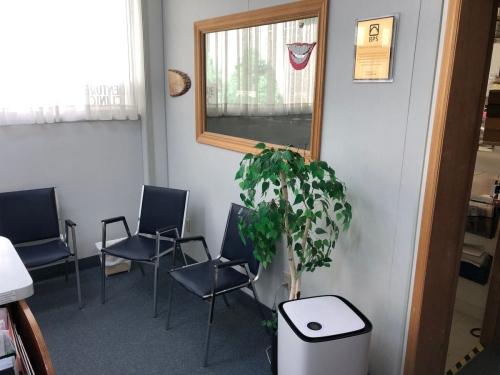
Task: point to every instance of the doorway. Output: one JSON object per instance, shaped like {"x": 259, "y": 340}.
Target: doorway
{"x": 466, "y": 57}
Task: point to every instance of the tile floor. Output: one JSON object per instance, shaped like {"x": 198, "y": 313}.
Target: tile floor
{"x": 461, "y": 341}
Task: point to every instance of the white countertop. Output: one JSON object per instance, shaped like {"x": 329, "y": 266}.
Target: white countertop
{"x": 15, "y": 281}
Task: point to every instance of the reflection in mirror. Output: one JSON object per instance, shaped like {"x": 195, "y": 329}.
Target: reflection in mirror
{"x": 260, "y": 82}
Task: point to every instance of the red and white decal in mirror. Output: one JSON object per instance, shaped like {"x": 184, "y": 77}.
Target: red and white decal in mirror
{"x": 299, "y": 54}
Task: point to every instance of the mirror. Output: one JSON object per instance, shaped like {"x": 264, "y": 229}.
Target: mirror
{"x": 259, "y": 77}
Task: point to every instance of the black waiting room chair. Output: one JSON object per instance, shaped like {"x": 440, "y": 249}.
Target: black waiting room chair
{"x": 30, "y": 220}
{"x": 216, "y": 277}
{"x": 162, "y": 215}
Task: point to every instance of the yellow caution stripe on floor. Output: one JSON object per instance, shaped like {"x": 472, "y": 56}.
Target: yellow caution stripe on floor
{"x": 464, "y": 360}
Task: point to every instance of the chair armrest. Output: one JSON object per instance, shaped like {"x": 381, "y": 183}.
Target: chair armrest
{"x": 67, "y": 224}
{"x": 70, "y": 223}
{"x": 110, "y": 221}
{"x": 190, "y": 239}
{"x": 166, "y": 229}
{"x": 218, "y": 266}
{"x": 113, "y": 220}
{"x": 237, "y": 262}
{"x": 179, "y": 241}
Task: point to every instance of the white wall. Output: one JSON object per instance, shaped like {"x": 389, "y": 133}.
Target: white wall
{"x": 153, "y": 115}
{"x": 96, "y": 166}
{"x": 374, "y": 136}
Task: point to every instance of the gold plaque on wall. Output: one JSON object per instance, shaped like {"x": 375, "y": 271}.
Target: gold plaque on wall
{"x": 374, "y": 49}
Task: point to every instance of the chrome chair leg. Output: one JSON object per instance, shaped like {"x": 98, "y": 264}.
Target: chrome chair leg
{"x": 209, "y": 328}
{"x": 77, "y": 271}
{"x": 157, "y": 264}
{"x": 103, "y": 274}
{"x": 167, "y": 325}
{"x": 225, "y": 300}
{"x": 77, "y": 268}
{"x": 184, "y": 256}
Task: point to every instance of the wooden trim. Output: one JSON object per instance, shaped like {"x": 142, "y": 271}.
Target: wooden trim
{"x": 280, "y": 13}
{"x": 32, "y": 338}
{"x": 462, "y": 88}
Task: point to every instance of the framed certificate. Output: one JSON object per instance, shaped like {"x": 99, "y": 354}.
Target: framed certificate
{"x": 374, "y": 43}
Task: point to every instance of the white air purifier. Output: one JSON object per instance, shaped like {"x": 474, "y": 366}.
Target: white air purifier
{"x": 324, "y": 335}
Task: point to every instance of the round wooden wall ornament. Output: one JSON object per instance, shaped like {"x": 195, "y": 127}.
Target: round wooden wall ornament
{"x": 179, "y": 83}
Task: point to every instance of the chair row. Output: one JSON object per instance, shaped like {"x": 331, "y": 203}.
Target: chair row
{"x": 30, "y": 220}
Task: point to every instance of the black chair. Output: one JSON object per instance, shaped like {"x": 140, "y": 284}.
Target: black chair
{"x": 215, "y": 277}
{"x": 30, "y": 220}
{"x": 162, "y": 210}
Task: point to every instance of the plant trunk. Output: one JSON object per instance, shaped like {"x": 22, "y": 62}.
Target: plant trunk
{"x": 296, "y": 282}
{"x": 291, "y": 257}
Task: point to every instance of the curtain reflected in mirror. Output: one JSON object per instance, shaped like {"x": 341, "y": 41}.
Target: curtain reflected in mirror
{"x": 260, "y": 82}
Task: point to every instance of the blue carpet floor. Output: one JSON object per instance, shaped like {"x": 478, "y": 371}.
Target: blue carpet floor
{"x": 122, "y": 337}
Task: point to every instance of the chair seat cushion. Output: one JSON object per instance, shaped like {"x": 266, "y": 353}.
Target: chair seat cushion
{"x": 199, "y": 278}
{"x": 137, "y": 248}
{"x": 46, "y": 253}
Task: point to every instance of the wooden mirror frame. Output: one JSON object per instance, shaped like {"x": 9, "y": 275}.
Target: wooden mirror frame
{"x": 259, "y": 17}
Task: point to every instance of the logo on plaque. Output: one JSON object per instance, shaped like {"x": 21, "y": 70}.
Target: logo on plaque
{"x": 374, "y": 31}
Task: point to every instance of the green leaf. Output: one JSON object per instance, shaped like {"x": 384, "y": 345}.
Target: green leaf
{"x": 265, "y": 186}
{"x": 320, "y": 231}
{"x": 308, "y": 213}
{"x": 299, "y": 198}
{"x": 298, "y": 247}
{"x": 276, "y": 156}
{"x": 248, "y": 156}
{"x": 287, "y": 155}
{"x": 239, "y": 174}
{"x": 338, "y": 206}
{"x": 260, "y": 145}
{"x": 310, "y": 202}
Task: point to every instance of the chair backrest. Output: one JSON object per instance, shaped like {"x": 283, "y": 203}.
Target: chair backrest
{"x": 29, "y": 215}
{"x": 162, "y": 207}
{"x": 232, "y": 245}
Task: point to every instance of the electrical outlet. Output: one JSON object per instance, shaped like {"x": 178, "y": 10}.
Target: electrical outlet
{"x": 287, "y": 279}
{"x": 188, "y": 225}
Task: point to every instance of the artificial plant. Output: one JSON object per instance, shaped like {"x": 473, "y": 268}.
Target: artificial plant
{"x": 303, "y": 201}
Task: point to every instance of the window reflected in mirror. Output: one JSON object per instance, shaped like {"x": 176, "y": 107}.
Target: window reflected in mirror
{"x": 260, "y": 82}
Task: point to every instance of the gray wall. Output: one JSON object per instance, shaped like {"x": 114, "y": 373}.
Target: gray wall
{"x": 374, "y": 136}
{"x": 96, "y": 166}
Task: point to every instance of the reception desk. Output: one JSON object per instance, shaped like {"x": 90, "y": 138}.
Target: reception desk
{"x": 16, "y": 285}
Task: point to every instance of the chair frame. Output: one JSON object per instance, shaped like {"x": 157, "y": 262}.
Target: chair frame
{"x": 64, "y": 238}
{"x": 155, "y": 260}
{"x": 211, "y": 297}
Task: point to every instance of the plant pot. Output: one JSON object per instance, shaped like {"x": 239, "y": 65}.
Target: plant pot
{"x": 274, "y": 353}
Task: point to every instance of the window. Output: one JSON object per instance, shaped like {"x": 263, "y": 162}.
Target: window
{"x": 69, "y": 60}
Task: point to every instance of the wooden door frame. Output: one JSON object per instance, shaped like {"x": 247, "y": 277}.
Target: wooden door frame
{"x": 466, "y": 58}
